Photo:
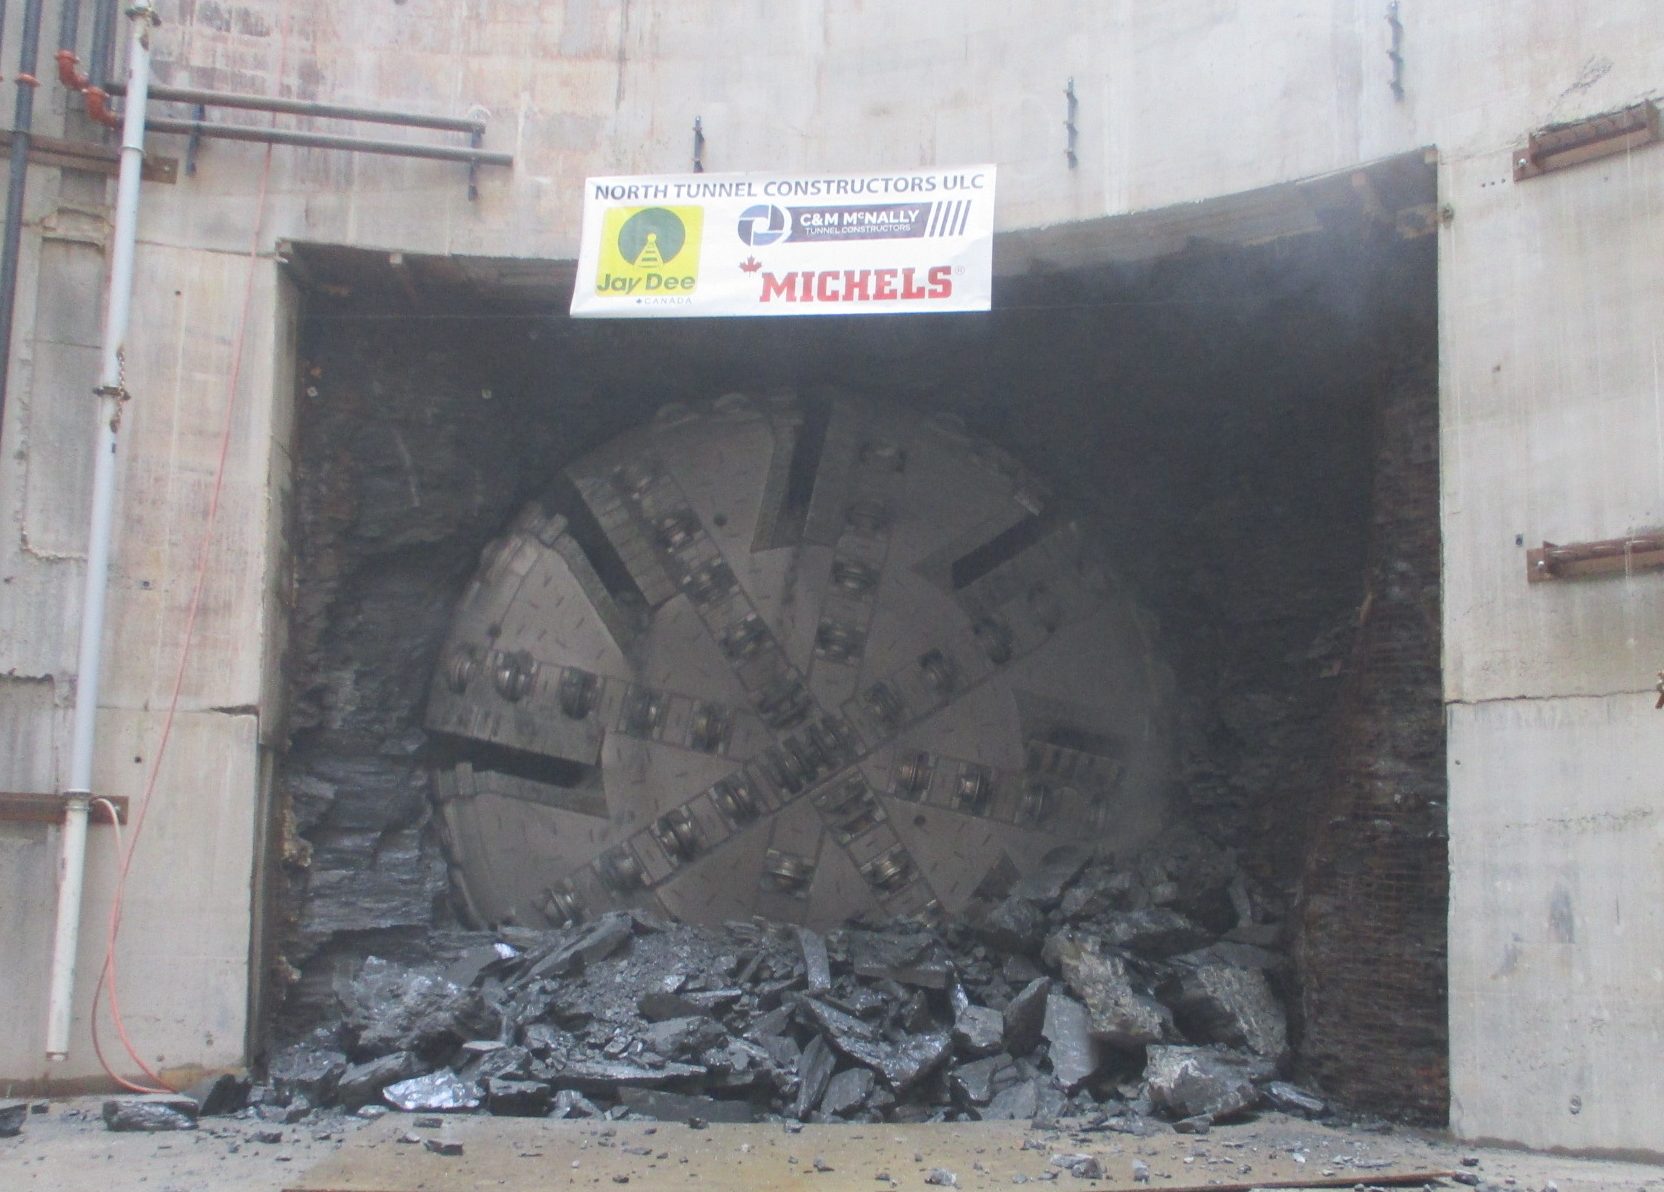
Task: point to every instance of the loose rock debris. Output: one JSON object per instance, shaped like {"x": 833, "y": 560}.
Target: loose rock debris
{"x": 1086, "y": 988}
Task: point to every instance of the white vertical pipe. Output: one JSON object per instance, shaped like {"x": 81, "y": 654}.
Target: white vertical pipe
{"x": 111, "y": 393}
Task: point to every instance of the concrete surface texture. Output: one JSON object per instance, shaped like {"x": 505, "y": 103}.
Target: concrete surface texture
{"x": 1549, "y": 308}
{"x": 68, "y": 1149}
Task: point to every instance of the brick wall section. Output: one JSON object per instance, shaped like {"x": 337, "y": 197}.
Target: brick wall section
{"x": 1373, "y": 911}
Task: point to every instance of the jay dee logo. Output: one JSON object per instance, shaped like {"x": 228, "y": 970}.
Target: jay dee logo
{"x": 649, "y": 251}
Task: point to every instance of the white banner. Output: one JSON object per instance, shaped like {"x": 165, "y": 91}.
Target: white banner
{"x": 912, "y": 241}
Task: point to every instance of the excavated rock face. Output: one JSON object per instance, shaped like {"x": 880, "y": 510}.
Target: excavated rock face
{"x": 801, "y": 660}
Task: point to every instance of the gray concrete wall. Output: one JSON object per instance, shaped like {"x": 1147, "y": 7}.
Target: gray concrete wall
{"x": 1550, "y": 306}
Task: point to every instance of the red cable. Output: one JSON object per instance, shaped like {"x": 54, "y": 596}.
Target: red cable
{"x": 109, "y": 973}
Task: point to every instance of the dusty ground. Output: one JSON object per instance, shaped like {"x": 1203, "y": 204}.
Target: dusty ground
{"x": 67, "y": 1149}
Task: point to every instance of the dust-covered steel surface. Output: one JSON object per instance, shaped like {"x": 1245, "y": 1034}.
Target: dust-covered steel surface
{"x": 801, "y": 660}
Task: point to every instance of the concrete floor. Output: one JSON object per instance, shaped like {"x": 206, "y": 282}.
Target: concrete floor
{"x": 67, "y": 1149}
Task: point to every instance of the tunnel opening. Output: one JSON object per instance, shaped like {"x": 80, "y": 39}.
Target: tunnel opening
{"x": 1241, "y": 411}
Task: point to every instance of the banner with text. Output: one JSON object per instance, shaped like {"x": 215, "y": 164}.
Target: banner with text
{"x": 914, "y": 241}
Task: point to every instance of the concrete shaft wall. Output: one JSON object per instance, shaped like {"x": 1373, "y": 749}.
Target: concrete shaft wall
{"x": 1549, "y": 421}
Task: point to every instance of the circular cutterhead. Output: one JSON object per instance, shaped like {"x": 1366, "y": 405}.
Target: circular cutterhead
{"x": 806, "y": 661}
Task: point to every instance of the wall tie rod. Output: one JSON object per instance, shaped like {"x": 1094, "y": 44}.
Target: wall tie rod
{"x": 306, "y": 107}
{"x": 320, "y": 140}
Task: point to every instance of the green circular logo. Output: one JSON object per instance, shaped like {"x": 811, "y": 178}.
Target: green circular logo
{"x": 651, "y": 238}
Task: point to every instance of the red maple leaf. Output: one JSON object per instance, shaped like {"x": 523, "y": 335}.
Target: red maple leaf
{"x": 750, "y": 265}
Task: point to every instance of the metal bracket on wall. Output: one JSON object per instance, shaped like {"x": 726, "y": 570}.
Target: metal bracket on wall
{"x": 1395, "y": 51}
{"x": 1576, "y": 141}
{"x": 198, "y": 128}
{"x": 18, "y": 808}
{"x": 1071, "y": 105}
{"x": 698, "y": 146}
{"x": 198, "y": 115}
{"x": 1584, "y": 560}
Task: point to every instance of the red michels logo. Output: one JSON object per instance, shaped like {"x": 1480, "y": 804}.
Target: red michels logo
{"x": 857, "y": 285}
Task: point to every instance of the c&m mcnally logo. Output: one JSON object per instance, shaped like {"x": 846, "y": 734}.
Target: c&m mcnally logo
{"x": 649, "y": 251}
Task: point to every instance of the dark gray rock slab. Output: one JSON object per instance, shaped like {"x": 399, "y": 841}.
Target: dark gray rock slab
{"x": 979, "y": 1031}
{"x": 391, "y": 1007}
{"x": 1030, "y": 1099}
{"x": 583, "y": 945}
{"x": 1067, "y": 1028}
{"x": 1123, "y": 1011}
{"x": 1292, "y": 1099}
{"x": 1013, "y": 925}
{"x": 149, "y": 1115}
{"x": 604, "y": 1076}
{"x": 901, "y": 1064}
{"x": 438, "y": 1092}
{"x": 683, "y": 1038}
{"x": 978, "y": 1082}
{"x": 220, "y": 1094}
{"x": 1154, "y": 932}
{"x": 814, "y": 1072}
{"x": 664, "y": 1106}
{"x": 361, "y": 1084}
{"x": 570, "y": 1103}
{"x": 910, "y": 958}
{"x": 517, "y": 1098}
{"x": 657, "y": 1006}
{"x": 1025, "y": 1015}
{"x": 1193, "y": 1081}
{"x": 848, "y": 1092}
{"x": 1218, "y": 1003}
{"x": 308, "y": 1071}
{"x": 12, "y": 1116}
{"x": 817, "y": 967}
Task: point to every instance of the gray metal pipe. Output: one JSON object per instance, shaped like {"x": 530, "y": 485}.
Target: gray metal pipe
{"x": 306, "y": 107}
{"x": 320, "y": 140}
{"x": 11, "y": 239}
{"x": 96, "y": 582}
{"x": 69, "y": 25}
{"x": 101, "y": 55}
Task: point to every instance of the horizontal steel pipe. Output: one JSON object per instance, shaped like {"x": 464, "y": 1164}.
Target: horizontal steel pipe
{"x": 320, "y": 140}
{"x": 307, "y": 107}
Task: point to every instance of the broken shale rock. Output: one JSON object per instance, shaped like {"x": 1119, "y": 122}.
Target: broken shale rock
{"x": 220, "y": 1094}
{"x": 439, "y": 1092}
{"x": 1025, "y": 1016}
{"x": 1192, "y": 1082}
{"x": 308, "y": 1071}
{"x": 149, "y": 1114}
{"x": 362, "y": 1084}
{"x": 1219, "y": 1003}
{"x": 1074, "y": 1052}
{"x": 901, "y": 1063}
{"x": 907, "y": 957}
{"x": 1016, "y": 925}
{"x": 517, "y": 1098}
{"x": 979, "y": 1031}
{"x": 662, "y": 1106}
{"x": 848, "y": 1092}
{"x": 814, "y": 1072}
{"x": 1123, "y": 1012}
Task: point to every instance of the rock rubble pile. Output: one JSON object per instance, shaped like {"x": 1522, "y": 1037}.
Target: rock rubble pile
{"x": 1130, "y": 992}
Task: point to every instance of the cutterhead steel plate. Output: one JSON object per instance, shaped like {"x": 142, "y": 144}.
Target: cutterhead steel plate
{"x": 800, "y": 660}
